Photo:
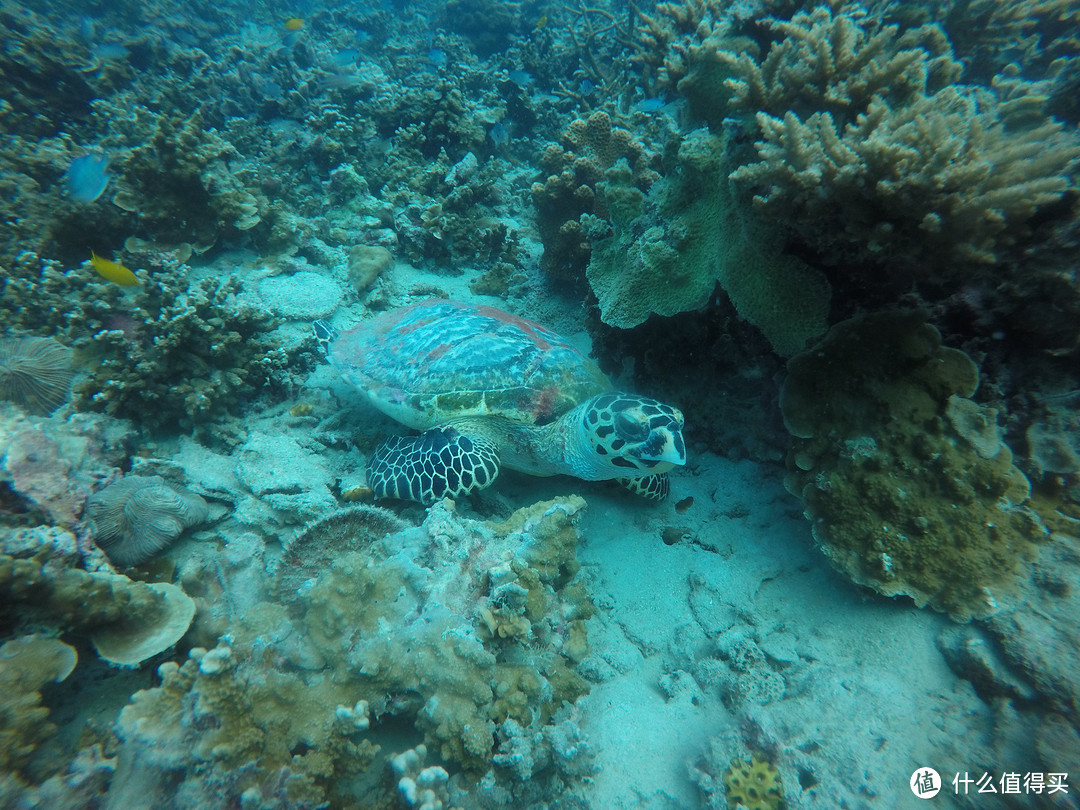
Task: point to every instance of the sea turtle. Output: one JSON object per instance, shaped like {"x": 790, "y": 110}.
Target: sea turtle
{"x": 492, "y": 390}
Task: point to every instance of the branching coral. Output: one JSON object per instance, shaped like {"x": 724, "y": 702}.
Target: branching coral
{"x": 589, "y": 148}
{"x": 939, "y": 178}
{"x": 173, "y": 354}
{"x": 823, "y": 62}
{"x": 867, "y": 160}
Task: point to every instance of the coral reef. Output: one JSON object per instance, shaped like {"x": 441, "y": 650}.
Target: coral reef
{"x": 128, "y": 621}
{"x": 376, "y": 624}
{"x": 588, "y": 148}
{"x": 176, "y": 354}
{"x": 753, "y": 783}
{"x": 137, "y": 517}
{"x": 864, "y": 137}
{"x": 898, "y": 499}
{"x": 668, "y": 251}
{"x": 35, "y": 372}
{"x": 942, "y": 179}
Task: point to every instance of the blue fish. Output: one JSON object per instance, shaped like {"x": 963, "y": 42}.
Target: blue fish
{"x": 437, "y": 57}
{"x": 498, "y": 134}
{"x": 87, "y": 178}
{"x": 522, "y": 78}
{"x": 649, "y": 105}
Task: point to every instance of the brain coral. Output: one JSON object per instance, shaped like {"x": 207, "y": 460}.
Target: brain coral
{"x": 138, "y": 516}
{"x": 899, "y": 499}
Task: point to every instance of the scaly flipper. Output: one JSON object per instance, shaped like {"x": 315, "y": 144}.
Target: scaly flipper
{"x": 653, "y": 487}
{"x": 439, "y": 463}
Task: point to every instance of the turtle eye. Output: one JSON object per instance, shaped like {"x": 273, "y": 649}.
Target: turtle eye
{"x": 631, "y": 427}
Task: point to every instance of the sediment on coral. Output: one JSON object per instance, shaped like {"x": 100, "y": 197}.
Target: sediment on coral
{"x": 459, "y": 639}
{"x": 899, "y": 498}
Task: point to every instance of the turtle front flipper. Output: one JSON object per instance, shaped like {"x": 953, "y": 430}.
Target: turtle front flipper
{"x": 653, "y": 487}
{"x": 437, "y": 464}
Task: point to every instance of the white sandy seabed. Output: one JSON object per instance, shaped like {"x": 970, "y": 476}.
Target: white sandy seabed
{"x": 741, "y": 637}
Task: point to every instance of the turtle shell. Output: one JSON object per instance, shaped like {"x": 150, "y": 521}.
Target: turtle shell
{"x": 439, "y": 360}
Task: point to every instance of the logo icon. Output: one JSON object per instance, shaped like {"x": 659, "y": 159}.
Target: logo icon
{"x": 925, "y": 783}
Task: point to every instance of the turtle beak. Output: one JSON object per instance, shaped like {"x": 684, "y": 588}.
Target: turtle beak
{"x": 665, "y": 447}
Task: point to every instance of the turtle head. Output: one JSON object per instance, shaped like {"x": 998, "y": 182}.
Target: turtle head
{"x": 633, "y": 435}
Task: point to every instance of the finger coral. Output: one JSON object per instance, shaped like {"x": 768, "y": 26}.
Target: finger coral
{"x": 941, "y": 178}
{"x": 137, "y": 517}
{"x": 870, "y": 153}
{"x": 35, "y": 373}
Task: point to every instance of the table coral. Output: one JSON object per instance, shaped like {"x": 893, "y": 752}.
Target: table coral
{"x": 898, "y": 499}
{"x": 129, "y": 621}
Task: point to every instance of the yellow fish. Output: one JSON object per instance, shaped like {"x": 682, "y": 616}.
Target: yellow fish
{"x": 543, "y": 21}
{"x": 294, "y": 23}
{"x": 113, "y": 271}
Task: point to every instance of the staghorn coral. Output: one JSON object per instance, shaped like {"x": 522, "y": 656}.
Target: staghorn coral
{"x": 35, "y": 372}
{"x": 940, "y": 182}
{"x": 136, "y": 517}
{"x": 822, "y": 61}
{"x": 898, "y": 500}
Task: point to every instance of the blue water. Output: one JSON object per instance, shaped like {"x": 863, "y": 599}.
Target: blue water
{"x": 753, "y": 445}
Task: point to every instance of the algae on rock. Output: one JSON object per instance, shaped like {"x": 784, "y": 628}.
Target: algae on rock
{"x": 899, "y": 500}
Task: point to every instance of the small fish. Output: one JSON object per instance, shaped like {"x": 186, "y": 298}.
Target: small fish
{"x": 649, "y": 105}
{"x": 522, "y": 78}
{"x": 498, "y": 134}
{"x": 113, "y": 271}
{"x": 437, "y": 57}
{"x": 542, "y": 22}
{"x": 87, "y": 178}
{"x": 294, "y": 23}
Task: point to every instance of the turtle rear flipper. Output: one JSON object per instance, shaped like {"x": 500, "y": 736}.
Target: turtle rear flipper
{"x": 653, "y": 487}
{"x": 437, "y": 464}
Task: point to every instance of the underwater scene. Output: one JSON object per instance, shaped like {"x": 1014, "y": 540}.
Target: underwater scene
{"x": 578, "y": 405}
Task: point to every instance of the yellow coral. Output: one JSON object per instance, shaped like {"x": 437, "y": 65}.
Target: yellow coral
{"x": 753, "y": 783}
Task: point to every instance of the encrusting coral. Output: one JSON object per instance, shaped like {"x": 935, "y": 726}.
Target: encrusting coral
{"x": 900, "y": 500}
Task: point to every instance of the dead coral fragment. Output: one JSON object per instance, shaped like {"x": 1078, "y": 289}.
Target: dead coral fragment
{"x": 129, "y": 643}
{"x": 139, "y": 516}
{"x": 35, "y": 373}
